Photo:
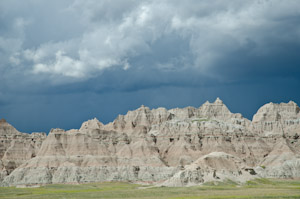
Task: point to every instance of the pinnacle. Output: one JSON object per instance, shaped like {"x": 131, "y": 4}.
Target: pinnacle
{"x": 207, "y": 102}
{"x": 291, "y": 102}
{"x": 218, "y": 101}
{"x": 2, "y": 120}
{"x": 143, "y": 107}
{"x": 95, "y": 119}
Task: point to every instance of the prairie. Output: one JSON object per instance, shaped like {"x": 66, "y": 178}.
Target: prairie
{"x": 257, "y": 189}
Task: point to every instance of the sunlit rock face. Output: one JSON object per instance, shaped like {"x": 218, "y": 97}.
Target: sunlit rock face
{"x": 16, "y": 147}
{"x": 176, "y": 147}
{"x": 283, "y": 118}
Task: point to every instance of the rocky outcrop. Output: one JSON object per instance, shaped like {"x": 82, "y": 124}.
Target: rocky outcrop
{"x": 90, "y": 155}
{"x": 282, "y": 119}
{"x": 215, "y": 166}
{"x": 176, "y": 147}
{"x": 16, "y": 147}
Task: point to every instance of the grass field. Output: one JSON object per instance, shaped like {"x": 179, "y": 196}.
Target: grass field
{"x": 261, "y": 188}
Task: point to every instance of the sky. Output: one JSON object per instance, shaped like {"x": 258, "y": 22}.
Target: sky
{"x": 63, "y": 62}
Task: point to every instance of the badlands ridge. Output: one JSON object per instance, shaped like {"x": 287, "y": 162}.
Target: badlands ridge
{"x": 177, "y": 147}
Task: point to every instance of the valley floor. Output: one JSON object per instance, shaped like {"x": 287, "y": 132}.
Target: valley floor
{"x": 260, "y": 188}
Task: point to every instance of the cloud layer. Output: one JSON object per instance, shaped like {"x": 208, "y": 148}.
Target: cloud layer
{"x": 57, "y": 47}
{"x": 81, "y": 39}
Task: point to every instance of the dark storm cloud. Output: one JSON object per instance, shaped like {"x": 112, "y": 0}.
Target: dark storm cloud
{"x": 63, "y": 62}
{"x": 73, "y": 41}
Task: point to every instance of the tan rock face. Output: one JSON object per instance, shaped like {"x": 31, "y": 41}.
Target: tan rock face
{"x": 177, "y": 147}
{"x": 283, "y": 118}
{"x": 16, "y": 147}
{"x": 217, "y": 110}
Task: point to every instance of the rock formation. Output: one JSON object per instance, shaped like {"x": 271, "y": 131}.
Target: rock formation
{"x": 177, "y": 147}
{"x": 16, "y": 147}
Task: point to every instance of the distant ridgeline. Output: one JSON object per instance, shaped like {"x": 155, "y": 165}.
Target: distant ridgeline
{"x": 176, "y": 147}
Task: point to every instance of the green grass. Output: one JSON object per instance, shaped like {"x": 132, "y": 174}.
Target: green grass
{"x": 256, "y": 189}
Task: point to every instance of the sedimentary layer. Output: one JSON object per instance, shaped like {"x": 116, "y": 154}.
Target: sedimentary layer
{"x": 175, "y": 147}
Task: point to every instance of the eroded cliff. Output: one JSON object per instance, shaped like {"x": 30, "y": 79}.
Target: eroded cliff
{"x": 174, "y": 147}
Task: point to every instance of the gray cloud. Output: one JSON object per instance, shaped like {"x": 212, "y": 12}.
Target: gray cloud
{"x": 61, "y": 51}
{"x": 80, "y": 39}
